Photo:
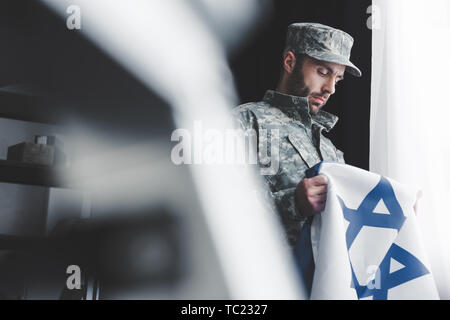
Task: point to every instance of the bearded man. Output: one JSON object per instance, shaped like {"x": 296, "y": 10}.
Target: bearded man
{"x": 314, "y": 62}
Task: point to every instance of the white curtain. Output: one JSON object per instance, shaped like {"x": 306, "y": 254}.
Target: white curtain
{"x": 410, "y": 113}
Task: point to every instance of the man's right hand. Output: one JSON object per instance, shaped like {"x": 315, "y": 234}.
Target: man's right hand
{"x": 311, "y": 195}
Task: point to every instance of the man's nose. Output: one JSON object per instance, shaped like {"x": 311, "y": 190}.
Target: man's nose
{"x": 329, "y": 86}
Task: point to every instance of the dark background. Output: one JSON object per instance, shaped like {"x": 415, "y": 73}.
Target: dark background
{"x": 256, "y": 66}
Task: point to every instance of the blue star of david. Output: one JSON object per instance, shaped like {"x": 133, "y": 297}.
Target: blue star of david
{"x": 412, "y": 269}
{"x": 364, "y": 216}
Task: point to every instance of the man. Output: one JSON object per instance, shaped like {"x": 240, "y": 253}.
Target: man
{"x": 314, "y": 61}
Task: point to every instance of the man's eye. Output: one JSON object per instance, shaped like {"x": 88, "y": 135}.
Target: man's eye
{"x": 322, "y": 72}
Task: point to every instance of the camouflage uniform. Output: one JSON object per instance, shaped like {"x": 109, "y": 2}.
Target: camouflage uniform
{"x": 301, "y": 146}
{"x": 301, "y": 143}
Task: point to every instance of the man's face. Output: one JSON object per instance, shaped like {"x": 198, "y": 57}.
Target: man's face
{"x": 315, "y": 80}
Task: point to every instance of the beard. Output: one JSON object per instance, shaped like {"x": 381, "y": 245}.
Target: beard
{"x": 296, "y": 83}
{"x": 296, "y": 86}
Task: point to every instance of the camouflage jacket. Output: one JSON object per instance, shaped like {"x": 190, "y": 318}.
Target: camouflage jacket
{"x": 301, "y": 145}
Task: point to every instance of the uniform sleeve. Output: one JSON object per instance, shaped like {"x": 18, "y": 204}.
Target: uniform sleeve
{"x": 340, "y": 156}
{"x": 291, "y": 218}
{"x": 280, "y": 202}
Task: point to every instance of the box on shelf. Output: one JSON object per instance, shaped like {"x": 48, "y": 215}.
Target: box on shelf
{"x": 36, "y": 153}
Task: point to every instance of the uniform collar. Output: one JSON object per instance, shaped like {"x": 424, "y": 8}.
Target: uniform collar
{"x": 298, "y": 108}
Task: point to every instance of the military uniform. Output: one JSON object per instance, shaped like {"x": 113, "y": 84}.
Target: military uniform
{"x": 301, "y": 144}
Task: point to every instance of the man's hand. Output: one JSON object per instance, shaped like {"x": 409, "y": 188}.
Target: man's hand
{"x": 311, "y": 195}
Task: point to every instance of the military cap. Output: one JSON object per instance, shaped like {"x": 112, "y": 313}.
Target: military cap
{"x": 322, "y": 43}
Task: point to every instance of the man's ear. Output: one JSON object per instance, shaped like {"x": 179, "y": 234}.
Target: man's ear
{"x": 289, "y": 61}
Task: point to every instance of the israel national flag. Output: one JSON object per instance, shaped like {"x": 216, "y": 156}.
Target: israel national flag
{"x": 366, "y": 243}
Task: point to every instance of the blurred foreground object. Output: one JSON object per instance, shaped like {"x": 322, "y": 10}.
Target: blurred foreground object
{"x": 124, "y": 163}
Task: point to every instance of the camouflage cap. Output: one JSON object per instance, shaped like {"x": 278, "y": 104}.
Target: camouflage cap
{"x": 322, "y": 43}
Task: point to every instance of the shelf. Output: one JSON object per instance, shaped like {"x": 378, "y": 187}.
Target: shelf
{"x": 37, "y": 175}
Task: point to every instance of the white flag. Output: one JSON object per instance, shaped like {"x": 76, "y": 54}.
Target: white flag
{"x": 366, "y": 243}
